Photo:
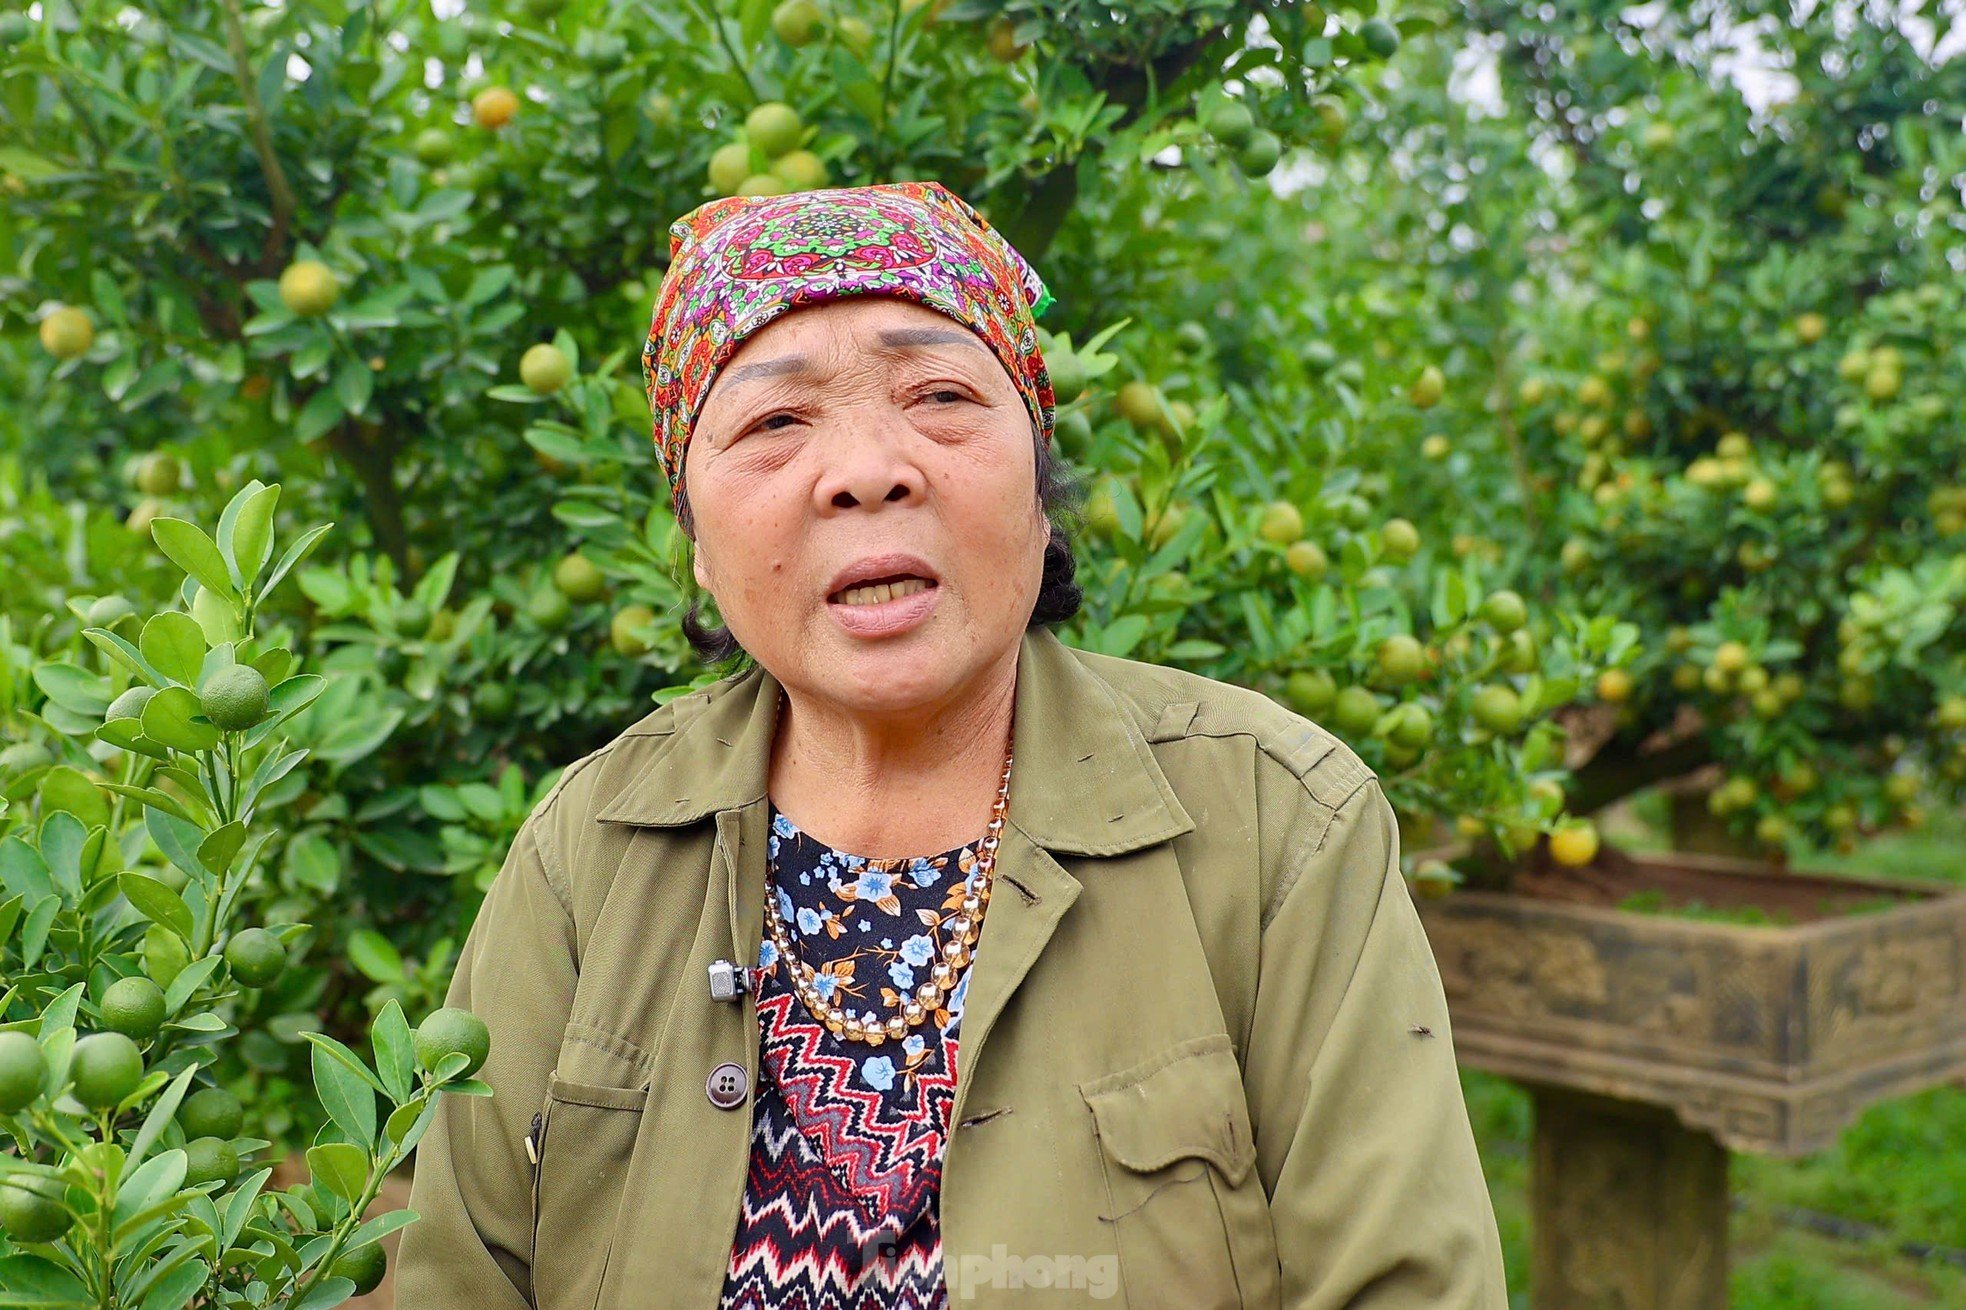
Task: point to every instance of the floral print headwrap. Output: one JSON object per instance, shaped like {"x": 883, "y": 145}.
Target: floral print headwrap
{"x": 739, "y": 262}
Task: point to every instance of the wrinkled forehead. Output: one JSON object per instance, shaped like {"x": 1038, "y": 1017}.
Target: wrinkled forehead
{"x": 829, "y": 338}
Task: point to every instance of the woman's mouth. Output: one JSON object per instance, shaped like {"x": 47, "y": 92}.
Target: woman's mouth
{"x": 876, "y": 593}
{"x": 883, "y": 608}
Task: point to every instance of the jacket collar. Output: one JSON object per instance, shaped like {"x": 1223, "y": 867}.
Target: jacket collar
{"x": 1083, "y": 779}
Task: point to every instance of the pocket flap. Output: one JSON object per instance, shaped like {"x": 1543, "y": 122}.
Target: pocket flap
{"x": 569, "y": 1092}
{"x": 1187, "y": 1101}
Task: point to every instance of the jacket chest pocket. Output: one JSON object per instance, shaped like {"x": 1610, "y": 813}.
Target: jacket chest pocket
{"x": 582, "y": 1139}
{"x": 1187, "y": 1212}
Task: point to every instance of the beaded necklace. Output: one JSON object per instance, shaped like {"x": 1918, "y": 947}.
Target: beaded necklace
{"x": 929, "y": 997}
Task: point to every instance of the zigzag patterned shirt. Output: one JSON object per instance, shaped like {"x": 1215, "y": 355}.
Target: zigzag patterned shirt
{"x": 839, "y": 1209}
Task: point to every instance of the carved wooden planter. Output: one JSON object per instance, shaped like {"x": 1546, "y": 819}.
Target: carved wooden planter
{"x": 1655, "y": 1044}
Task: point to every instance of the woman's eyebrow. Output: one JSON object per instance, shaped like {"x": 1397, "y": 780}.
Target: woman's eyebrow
{"x": 893, "y": 341}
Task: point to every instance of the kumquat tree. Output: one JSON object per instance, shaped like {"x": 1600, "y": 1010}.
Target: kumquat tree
{"x": 1559, "y": 415}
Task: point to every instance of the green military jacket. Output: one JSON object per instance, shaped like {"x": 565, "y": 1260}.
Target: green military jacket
{"x": 1205, "y": 1054}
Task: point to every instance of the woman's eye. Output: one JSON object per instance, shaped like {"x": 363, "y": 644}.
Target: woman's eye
{"x": 946, "y": 391}
{"x": 766, "y": 422}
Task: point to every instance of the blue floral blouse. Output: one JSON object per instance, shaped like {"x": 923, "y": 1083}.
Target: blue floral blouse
{"x": 839, "y": 1209}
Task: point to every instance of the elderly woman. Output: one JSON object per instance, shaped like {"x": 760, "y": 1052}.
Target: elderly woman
{"x": 927, "y": 959}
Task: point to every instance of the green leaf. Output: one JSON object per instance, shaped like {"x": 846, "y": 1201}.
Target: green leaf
{"x": 30, "y": 1280}
{"x": 558, "y": 445}
{"x": 188, "y": 979}
{"x": 329, "y": 591}
{"x": 487, "y": 283}
{"x": 61, "y": 1012}
{"x": 252, "y": 533}
{"x": 1123, "y": 634}
{"x": 34, "y": 934}
{"x": 157, "y": 902}
{"x": 175, "y": 646}
{"x": 179, "y": 840}
{"x": 164, "y": 956}
{"x": 482, "y": 801}
{"x": 341, "y": 1168}
{"x": 311, "y": 861}
{"x": 395, "y": 1052}
{"x": 441, "y": 206}
{"x": 217, "y": 851}
{"x": 752, "y": 18}
{"x": 370, "y": 951}
{"x": 23, "y": 869}
{"x": 203, "y": 1022}
{"x": 160, "y": 1114}
{"x": 191, "y": 550}
{"x": 310, "y": 359}
{"x": 434, "y": 587}
{"x": 516, "y": 394}
{"x": 380, "y": 1227}
{"x": 127, "y": 734}
{"x": 295, "y": 553}
{"x": 68, "y": 789}
{"x": 239, "y": 1205}
{"x": 270, "y": 771}
{"x": 440, "y": 803}
{"x": 1450, "y": 598}
{"x": 348, "y": 1058}
{"x": 174, "y": 1290}
{"x": 329, "y": 1292}
{"x": 74, "y": 689}
{"x": 322, "y": 411}
{"x": 152, "y": 798}
{"x": 119, "y": 649}
{"x": 348, "y": 1100}
{"x": 351, "y": 739}
{"x": 27, "y": 164}
{"x": 167, "y": 719}
{"x": 402, "y": 1126}
{"x": 144, "y": 1186}
{"x": 294, "y": 694}
{"x": 298, "y": 1204}
{"x": 354, "y": 383}
{"x": 1100, "y": 338}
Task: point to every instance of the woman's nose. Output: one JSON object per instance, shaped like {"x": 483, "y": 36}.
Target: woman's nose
{"x": 866, "y": 463}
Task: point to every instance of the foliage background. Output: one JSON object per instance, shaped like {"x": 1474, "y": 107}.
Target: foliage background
{"x": 1673, "y": 353}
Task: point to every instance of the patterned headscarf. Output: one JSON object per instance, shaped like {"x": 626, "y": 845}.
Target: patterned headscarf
{"x": 737, "y": 263}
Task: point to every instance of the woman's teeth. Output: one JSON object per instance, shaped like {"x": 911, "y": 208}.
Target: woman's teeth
{"x": 882, "y": 592}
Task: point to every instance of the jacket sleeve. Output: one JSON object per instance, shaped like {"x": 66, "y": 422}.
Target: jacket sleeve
{"x": 1363, "y": 1140}
{"x": 471, "y": 1247}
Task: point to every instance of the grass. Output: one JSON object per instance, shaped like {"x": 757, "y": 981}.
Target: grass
{"x": 1654, "y": 901}
{"x": 1932, "y": 853}
{"x": 1899, "y": 1171}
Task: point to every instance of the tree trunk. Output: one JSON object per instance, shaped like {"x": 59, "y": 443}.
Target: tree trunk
{"x": 1695, "y": 828}
{"x": 373, "y": 462}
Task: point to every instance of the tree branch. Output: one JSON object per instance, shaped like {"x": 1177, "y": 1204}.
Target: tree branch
{"x": 1614, "y": 774}
{"x": 282, "y": 195}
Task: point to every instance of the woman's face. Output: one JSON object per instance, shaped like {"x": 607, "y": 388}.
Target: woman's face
{"x": 852, "y": 429}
